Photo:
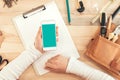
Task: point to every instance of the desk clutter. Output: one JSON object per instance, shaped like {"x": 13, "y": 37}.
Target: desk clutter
{"x": 104, "y": 48}
{"x": 92, "y": 9}
{"x": 87, "y": 11}
{"x": 9, "y": 3}
{"x": 3, "y": 62}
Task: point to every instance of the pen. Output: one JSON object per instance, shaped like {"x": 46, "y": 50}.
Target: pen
{"x": 68, "y": 11}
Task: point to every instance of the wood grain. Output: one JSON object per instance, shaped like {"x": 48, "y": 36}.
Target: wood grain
{"x": 81, "y": 32}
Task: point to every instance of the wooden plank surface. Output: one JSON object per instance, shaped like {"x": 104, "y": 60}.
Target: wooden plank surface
{"x": 81, "y": 31}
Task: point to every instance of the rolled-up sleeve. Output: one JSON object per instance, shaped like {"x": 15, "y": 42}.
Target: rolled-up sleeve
{"x": 81, "y": 69}
{"x": 17, "y": 66}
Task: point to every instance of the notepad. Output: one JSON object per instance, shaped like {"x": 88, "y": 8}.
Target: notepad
{"x": 27, "y": 25}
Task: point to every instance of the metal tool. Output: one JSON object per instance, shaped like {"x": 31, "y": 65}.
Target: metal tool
{"x": 114, "y": 35}
{"x": 81, "y": 6}
{"x": 9, "y": 3}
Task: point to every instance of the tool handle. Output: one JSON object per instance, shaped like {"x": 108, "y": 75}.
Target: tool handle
{"x": 103, "y": 19}
{"x": 103, "y": 31}
{"x": 115, "y": 38}
{"x": 110, "y": 36}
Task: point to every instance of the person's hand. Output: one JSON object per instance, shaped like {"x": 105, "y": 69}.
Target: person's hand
{"x": 38, "y": 41}
{"x": 57, "y": 64}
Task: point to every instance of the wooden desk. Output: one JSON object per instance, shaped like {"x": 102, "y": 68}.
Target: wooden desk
{"x": 12, "y": 45}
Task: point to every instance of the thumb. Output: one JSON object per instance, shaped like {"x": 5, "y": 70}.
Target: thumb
{"x": 39, "y": 33}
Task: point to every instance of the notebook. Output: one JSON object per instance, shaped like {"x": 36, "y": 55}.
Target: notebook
{"x": 27, "y": 25}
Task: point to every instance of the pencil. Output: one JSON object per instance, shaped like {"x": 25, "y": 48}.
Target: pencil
{"x": 68, "y": 11}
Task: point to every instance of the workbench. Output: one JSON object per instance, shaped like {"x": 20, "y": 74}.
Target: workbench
{"x": 81, "y": 31}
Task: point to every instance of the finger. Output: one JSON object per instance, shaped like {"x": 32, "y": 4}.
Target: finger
{"x": 50, "y": 61}
{"x": 40, "y": 31}
{"x": 50, "y": 65}
{"x": 57, "y": 38}
{"x": 47, "y": 68}
{"x": 51, "y": 69}
{"x": 56, "y": 30}
{"x": 43, "y": 51}
{"x": 53, "y": 60}
{"x": 57, "y": 33}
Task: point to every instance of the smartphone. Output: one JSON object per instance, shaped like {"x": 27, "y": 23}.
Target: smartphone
{"x": 49, "y": 35}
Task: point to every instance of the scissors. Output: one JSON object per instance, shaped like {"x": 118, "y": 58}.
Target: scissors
{"x": 3, "y": 63}
{"x": 114, "y": 35}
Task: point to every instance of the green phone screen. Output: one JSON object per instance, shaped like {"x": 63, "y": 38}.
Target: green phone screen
{"x": 49, "y": 35}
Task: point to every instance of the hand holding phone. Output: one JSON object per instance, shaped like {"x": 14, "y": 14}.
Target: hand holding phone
{"x": 49, "y": 41}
